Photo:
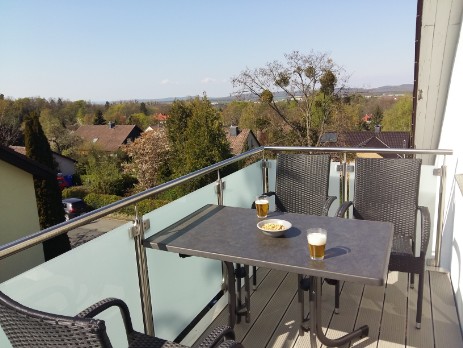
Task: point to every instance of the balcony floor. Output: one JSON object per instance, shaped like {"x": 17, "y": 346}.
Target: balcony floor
{"x": 389, "y": 311}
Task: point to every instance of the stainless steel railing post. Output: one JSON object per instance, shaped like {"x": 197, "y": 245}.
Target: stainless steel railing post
{"x": 138, "y": 231}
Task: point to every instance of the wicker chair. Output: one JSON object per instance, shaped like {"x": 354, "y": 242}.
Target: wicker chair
{"x": 387, "y": 190}
{"x": 26, "y": 327}
{"x": 301, "y": 186}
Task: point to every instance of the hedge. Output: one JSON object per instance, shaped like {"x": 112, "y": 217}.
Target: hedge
{"x": 95, "y": 201}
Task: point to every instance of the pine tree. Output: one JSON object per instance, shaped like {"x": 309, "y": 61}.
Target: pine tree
{"x": 47, "y": 192}
{"x": 99, "y": 119}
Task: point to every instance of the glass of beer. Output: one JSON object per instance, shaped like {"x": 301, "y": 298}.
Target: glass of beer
{"x": 316, "y": 237}
{"x": 262, "y": 206}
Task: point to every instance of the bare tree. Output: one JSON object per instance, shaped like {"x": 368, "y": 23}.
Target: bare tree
{"x": 300, "y": 79}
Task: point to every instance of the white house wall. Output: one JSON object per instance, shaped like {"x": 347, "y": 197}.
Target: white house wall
{"x": 450, "y": 138}
{"x": 19, "y": 218}
{"x": 440, "y": 30}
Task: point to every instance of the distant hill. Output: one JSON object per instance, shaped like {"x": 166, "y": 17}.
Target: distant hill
{"x": 405, "y": 88}
{"x": 400, "y": 89}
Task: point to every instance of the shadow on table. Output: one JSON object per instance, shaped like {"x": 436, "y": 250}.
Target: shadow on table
{"x": 336, "y": 251}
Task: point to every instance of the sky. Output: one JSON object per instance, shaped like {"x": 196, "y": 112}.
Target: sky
{"x": 108, "y": 50}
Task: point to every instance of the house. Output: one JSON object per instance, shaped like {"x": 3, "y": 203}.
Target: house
{"x": 109, "y": 137}
{"x": 368, "y": 139}
{"x": 18, "y": 209}
{"x": 241, "y": 140}
{"x": 65, "y": 165}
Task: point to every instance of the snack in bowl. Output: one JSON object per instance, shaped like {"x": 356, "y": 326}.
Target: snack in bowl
{"x": 274, "y": 227}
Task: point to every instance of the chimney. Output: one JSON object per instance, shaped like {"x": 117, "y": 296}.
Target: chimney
{"x": 234, "y": 131}
{"x": 111, "y": 124}
{"x": 377, "y": 129}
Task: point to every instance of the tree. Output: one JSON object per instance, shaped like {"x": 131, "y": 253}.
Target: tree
{"x": 103, "y": 173}
{"x": 143, "y": 108}
{"x": 300, "y": 78}
{"x": 377, "y": 116}
{"x": 47, "y": 192}
{"x": 196, "y": 137}
{"x": 99, "y": 119}
{"x": 399, "y": 116}
{"x": 148, "y": 156}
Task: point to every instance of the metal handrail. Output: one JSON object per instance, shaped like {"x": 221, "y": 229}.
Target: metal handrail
{"x": 53, "y": 231}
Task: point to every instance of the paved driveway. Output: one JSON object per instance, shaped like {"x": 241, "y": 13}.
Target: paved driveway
{"x": 92, "y": 230}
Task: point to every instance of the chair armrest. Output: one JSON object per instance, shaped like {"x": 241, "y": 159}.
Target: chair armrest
{"x": 425, "y": 227}
{"x": 102, "y": 305}
{"x": 326, "y": 207}
{"x": 343, "y": 208}
{"x": 216, "y": 337}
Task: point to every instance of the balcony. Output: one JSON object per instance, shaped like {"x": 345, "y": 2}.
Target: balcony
{"x": 184, "y": 294}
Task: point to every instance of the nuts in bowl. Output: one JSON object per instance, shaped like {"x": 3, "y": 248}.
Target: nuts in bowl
{"x": 274, "y": 227}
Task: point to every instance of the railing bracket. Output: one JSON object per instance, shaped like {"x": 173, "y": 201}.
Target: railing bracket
{"x": 349, "y": 169}
{"x": 219, "y": 186}
{"x": 135, "y": 229}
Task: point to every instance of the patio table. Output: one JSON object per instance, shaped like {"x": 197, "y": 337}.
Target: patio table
{"x": 356, "y": 251}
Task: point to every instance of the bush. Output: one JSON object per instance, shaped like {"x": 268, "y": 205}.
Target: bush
{"x": 75, "y": 191}
{"x": 95, "y": 201}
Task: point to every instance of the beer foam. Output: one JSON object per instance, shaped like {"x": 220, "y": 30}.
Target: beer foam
{"x": 316, "y": 238}
{"x": 262, "y": 201}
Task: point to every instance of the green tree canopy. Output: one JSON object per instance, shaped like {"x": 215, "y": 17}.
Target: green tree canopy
{"x": 196, "y": 137}
{"x": 399, "y": 116}
{"x": 47, "y": 192}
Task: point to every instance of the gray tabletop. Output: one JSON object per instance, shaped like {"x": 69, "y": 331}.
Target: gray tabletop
{"x": 356, "y": 250}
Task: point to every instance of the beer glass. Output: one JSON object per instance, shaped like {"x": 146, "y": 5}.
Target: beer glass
{"x": 316, "y": 238}
{"x": 262, "y": 206}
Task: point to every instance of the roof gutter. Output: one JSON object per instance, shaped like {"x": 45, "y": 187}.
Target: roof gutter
{"x": 419, "y": 16}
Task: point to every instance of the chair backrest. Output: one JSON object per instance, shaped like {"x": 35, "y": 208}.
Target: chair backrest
{"x": 302, "y": 182}
{"x": 387, "y": 190}
{"x": 26, "y": 327}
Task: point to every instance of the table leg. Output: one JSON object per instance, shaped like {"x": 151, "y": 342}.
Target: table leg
{"x": 247, "y": 298}
{"x": 231, "y": 294}
{"x": 239, "y": 303}
{"x": 316, "y": 330}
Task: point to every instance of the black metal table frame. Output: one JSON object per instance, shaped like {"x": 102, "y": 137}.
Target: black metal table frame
{"x": 236, "y": 307}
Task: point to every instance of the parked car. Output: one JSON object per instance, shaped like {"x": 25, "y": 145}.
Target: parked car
{"x": 73, "y": 207}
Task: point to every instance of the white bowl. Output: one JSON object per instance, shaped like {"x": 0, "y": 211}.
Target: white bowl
{"x": 274, "y": 233}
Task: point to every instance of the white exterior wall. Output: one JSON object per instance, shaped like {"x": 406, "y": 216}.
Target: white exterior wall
{"x": 18, "y": 218}
{"x": 451, "y": 138}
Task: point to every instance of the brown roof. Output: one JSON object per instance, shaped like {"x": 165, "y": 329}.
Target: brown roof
{"x": 393, "y": 140}
{"x": 25, "y": 163}
{"x": 238, "y": 142}
{"x": 108, "y": 138}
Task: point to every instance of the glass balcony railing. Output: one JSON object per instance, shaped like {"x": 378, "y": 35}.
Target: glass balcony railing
{"x": 179, "y": 288}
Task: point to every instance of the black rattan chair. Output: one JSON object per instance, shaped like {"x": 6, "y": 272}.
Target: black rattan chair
{"x": 301, "y": 186}
{"x": 387, "y": 190}
{"x": 26, "y": 327}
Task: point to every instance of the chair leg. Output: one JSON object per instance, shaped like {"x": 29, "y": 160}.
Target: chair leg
{"x": 412, "y": 280}
{"x": 254, "y": 277}
{"x": 419, "y": 304}
{"x": 336, "y": 297}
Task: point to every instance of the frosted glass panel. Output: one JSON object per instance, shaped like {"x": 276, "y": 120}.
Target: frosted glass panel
{"x": 243, "y": 186}
{"x": 180, "y": 287}
{"x": 104, "y": 267}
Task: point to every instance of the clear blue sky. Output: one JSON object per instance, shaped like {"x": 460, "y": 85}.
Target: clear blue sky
{"x": 111, "y": 50}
